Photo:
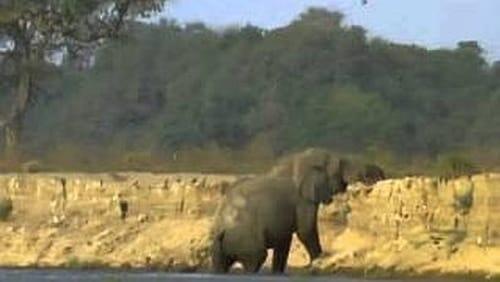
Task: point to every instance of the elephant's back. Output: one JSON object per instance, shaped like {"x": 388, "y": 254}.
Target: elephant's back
{"x": 266, "y": 203}
{"x": 263, "y": 186}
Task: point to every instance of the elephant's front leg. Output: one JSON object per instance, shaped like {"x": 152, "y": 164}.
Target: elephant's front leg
{"x": 253, "y": 262}
{"x": 280, "y": 255}
{"x": 307, "y": 229}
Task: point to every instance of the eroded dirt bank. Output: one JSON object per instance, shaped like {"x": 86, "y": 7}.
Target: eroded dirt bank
{"x": 411, "y": 225}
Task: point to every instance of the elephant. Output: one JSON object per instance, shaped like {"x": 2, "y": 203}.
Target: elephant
{"x": 263, "y": 212}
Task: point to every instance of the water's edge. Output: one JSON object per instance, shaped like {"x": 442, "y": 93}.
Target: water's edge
{"x": 347, "y": 275}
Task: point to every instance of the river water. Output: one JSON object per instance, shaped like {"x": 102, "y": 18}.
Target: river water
{"x": 111, "y": 276}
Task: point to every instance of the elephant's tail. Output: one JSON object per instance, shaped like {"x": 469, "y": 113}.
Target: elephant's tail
{"x": 219, "y": 238}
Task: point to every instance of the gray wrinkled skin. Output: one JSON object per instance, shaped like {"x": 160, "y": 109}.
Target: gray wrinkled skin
{"x": 264, "y": 212}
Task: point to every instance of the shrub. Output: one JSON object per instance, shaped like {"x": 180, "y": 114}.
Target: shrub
{"x": 452, "y": 166}
{"x": 77, "y": 263}
{"x": 463, "y": 199}
{"x": 32, "y": 166}
{"x": 5, "y": 208}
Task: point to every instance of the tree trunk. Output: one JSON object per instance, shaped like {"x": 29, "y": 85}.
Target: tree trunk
{"x": 13, "y": 125}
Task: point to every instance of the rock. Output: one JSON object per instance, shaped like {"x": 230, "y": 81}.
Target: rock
{"x": 124, "y": 206}
{"x": 31, "y": 166}
{"x": 142, "y": 218}
{"x": 479, "y": 241}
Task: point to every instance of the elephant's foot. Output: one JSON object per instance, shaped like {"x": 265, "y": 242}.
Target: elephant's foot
{"x": 253, "y": 264}
{"x": 318, "y": 263}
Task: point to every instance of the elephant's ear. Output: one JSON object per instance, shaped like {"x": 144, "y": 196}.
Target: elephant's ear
{"x": 294, "y": 166}
{"x": 311, "y": 176}
{"x": 314, "y": 185}
{"x": 307, "y": 160}
{"x": 308, "y": 170}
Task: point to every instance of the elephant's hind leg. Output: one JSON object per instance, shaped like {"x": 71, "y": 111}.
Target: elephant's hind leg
{"x": 280, "y": 255}
{"x": 253, "y": 263}
{"x": 221, "y": 262}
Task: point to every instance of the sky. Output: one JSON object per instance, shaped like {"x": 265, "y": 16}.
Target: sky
{"x": 432, "y": 23}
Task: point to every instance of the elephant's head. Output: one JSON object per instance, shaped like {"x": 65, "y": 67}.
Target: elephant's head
{"x": 317, "y": 174}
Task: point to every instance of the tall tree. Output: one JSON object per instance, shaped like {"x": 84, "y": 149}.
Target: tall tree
{"x": 33, "y": 33}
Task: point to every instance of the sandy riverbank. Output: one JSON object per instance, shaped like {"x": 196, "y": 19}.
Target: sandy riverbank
{"x": 415, "y": 226}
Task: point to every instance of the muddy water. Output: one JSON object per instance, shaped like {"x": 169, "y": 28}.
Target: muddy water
{"x": 108, "y": 276}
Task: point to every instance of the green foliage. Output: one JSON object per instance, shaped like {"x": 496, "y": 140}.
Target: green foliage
{"x": 453, "y": 165}
{"x": 463, "y": 202}
{"x": 36, "y": 31}
{"x": 209, "y": 96}
{"x": 463, "y": 197}
{"x": 5, "y": 208}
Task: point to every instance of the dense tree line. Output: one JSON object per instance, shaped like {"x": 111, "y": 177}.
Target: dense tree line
{"x": 316, "y": 82}
{"x": 34, "y": 33}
